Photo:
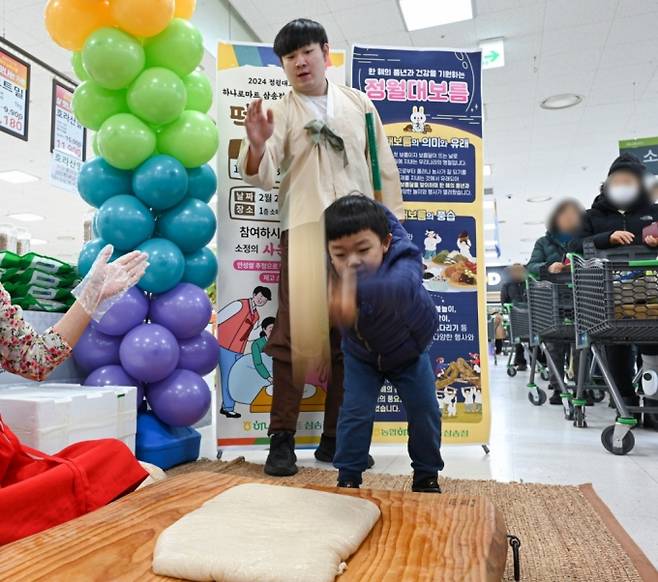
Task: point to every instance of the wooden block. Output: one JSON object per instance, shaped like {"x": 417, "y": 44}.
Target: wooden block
{"x": 420, "y": 537}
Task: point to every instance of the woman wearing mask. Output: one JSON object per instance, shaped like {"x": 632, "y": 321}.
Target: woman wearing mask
{"x": 616, "y": 219}
{"x": 549, "y": 257}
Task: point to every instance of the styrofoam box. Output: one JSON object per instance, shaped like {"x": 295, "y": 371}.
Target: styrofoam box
{"x": 50, "y": 417}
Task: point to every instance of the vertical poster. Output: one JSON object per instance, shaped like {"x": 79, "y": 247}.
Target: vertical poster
{"x": 14, "y": 95}
{"x": 430, "y": 104}
{"x": 67, "y": 140}
{"x": 249, "y": 256}
{"x": 646, "y": 149}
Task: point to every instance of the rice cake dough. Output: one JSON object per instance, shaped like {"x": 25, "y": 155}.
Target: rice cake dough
{"x": 267, "y": 533}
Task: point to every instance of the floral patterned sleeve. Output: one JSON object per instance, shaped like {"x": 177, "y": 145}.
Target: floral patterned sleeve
{"x": 22, "y": 350}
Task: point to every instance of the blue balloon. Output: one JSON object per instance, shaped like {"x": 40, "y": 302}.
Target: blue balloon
{"x": 202, "y": 183}
{"x": 160, "y": 182}
{"x": 99, "y": 181}
{"x": 166, "y": 266}
{"x": 89, "y": 253}
{"x": 125, "y": 222}
{"x": 200, "y": 268}
{"x": 190, "y": 225}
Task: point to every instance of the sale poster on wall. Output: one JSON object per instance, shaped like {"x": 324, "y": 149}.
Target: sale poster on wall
{"x": 429, "y": 101}
{"x": 14, "y": 95}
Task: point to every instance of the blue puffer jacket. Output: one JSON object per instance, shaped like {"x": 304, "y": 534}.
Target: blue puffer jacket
{"x": 397, "y": 317}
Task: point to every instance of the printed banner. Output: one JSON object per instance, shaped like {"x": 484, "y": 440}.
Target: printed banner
{"x": 249, "y": 255}
{"x": 14, "y": 95}
{"x": 430, "y": 103}
{"x": 646, "y": 149}
{"x": 67, "y": 140}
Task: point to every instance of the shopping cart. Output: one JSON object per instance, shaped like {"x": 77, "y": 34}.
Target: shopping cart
{"x": 616, "y": 303}
{"x": 551, "y": 319}
{"x": 519, "y": 333}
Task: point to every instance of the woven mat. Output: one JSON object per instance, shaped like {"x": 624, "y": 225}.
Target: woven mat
{"x": 567, "y": 532}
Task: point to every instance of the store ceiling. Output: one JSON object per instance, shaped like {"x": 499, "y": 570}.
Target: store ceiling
{"x": 604, "y": 50}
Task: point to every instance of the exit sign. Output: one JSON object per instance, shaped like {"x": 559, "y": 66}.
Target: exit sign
{"x": 493, "y": 53}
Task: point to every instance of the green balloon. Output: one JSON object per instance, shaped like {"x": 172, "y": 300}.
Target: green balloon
{"x": 157, "y": 96}
{"x": 178, "y": 47}
{"x": 125, "y": 141}
{"x": 199, "y": 92}
{"x": 92, "y": 104}
{"x": 94, "y": 146}
{"x": 192, "y": 139}
{"x": 78, "y": 67}
{"x": 112, "y": 58}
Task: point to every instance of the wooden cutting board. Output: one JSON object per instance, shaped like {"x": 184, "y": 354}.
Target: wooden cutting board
{"x": 420, "y": 537}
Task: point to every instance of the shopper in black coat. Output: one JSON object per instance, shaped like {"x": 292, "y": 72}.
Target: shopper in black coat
{"x": 616, "y": 219}
{"x": 514, "y": 291}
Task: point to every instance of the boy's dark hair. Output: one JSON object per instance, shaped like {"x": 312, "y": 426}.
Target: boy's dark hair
{"x": 298, "y": 33}
{"x": 266, "y": 322}
{"x": 354, "y": 213}
{"x": 264, "y": 291}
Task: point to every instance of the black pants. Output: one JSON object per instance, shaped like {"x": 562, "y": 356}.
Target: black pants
{"x": 560, "y": 353}
{"x": 621, "y": 363}
{"x": 519, "y": 355}
{"x": 499, "y": 346}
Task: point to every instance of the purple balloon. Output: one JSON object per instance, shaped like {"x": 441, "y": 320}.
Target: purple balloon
{"x": 114, "y": 376}
{"x": 95, "y": 350}
{"x": 185, "y": 310}
{"x": 127, "y": 313}
{"x": 179, "y": 400}
{"x": 149, "y": 352}
{"x": 199, "y": 354}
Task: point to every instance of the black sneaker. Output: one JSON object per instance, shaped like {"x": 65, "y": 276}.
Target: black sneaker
{"x": 556, "y": 397}
{"x": 589, "y": 397}
{"x": 522, "y": 368}
{"x": 229, "y": 413}
{"x": 327, "y": 449}
{"x": 426, "y": 485}
{"x": 281, "y": 460}
{"x": 348, "y": 484}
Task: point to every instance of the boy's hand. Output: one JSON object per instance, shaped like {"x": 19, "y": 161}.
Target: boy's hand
{"x": 342, "y": 299}
{"x": 622, "y": 237}
{"x": 555, "y": 268}
{"x": 259, "y": 124}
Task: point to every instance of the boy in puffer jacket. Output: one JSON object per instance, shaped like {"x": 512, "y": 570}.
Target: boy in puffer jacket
{"x": 387, "y": 319}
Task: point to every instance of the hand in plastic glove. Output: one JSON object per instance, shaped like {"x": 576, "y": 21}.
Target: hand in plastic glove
{"x": 107, "y": 282}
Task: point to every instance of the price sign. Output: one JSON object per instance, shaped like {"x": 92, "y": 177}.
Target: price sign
{"x": 66, "y": 133}
{"x": 14, "y": 95}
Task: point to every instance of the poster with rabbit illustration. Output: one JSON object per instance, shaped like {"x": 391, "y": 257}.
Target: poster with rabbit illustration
{"x": 430, "y": 103}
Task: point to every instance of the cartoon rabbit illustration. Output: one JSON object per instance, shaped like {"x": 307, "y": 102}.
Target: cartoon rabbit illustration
{"x": 418, "y": 119}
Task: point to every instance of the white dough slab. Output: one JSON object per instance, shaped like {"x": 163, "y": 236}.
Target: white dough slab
{"x": 266, "y": 533}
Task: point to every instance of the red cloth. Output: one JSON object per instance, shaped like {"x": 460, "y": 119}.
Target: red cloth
{"x": 38, "y": 491}
{"x": 234, "y": 332}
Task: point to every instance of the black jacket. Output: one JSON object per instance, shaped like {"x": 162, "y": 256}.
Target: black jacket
{"x": 513, "y": 293}
{"x": 603, "y": 219}
{"x": 548, "y": 250}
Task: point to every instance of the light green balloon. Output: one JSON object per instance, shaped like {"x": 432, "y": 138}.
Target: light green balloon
{"x": 199, "y": 92}
{"x": 78, "y": 67}
{"x": 192, "y": 139}
{"x": 157, "y": 96}
{"x": 178, "y": 47}
{"x": 112, "y": 58}
{"x": 92, "y": 104}
{"x": 94, "y": 146}
{"x": 125, "y": 141}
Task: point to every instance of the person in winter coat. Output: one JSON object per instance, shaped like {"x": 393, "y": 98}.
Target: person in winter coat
{"x": 387, "y": 319}
{"x": 514, "y": 291}
{"x": 616, "y": 219}
{"x": 549, "y": 257}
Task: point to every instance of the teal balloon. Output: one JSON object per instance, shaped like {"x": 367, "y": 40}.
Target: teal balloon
{"x": 125, "y": 141}
{"x": 160, "y": 182}
{"x": 200, "y": 268}
{"x": 199, "y": 92}
{"x": 78, "y": 67}
{"x": 112, "y": 58}
{"x": 202, "y": 183}
{"x": 179, "y": 47}
{"x": 157, "y": 96}
{"x": 124, "y": 222}
{"x": 89, "y": 253}
{"x": 166, "y": 266}
{"x": 93, "y": 104}
{"x": 192, "y": 139}
{"x": 190, "y": 225}
{"x": 98, "y": 181}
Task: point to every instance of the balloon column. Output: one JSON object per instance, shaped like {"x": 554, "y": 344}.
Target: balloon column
{"x": 150, "y": 183}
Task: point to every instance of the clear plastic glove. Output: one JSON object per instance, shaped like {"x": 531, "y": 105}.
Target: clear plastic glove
{"x": 106, "y": 282}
